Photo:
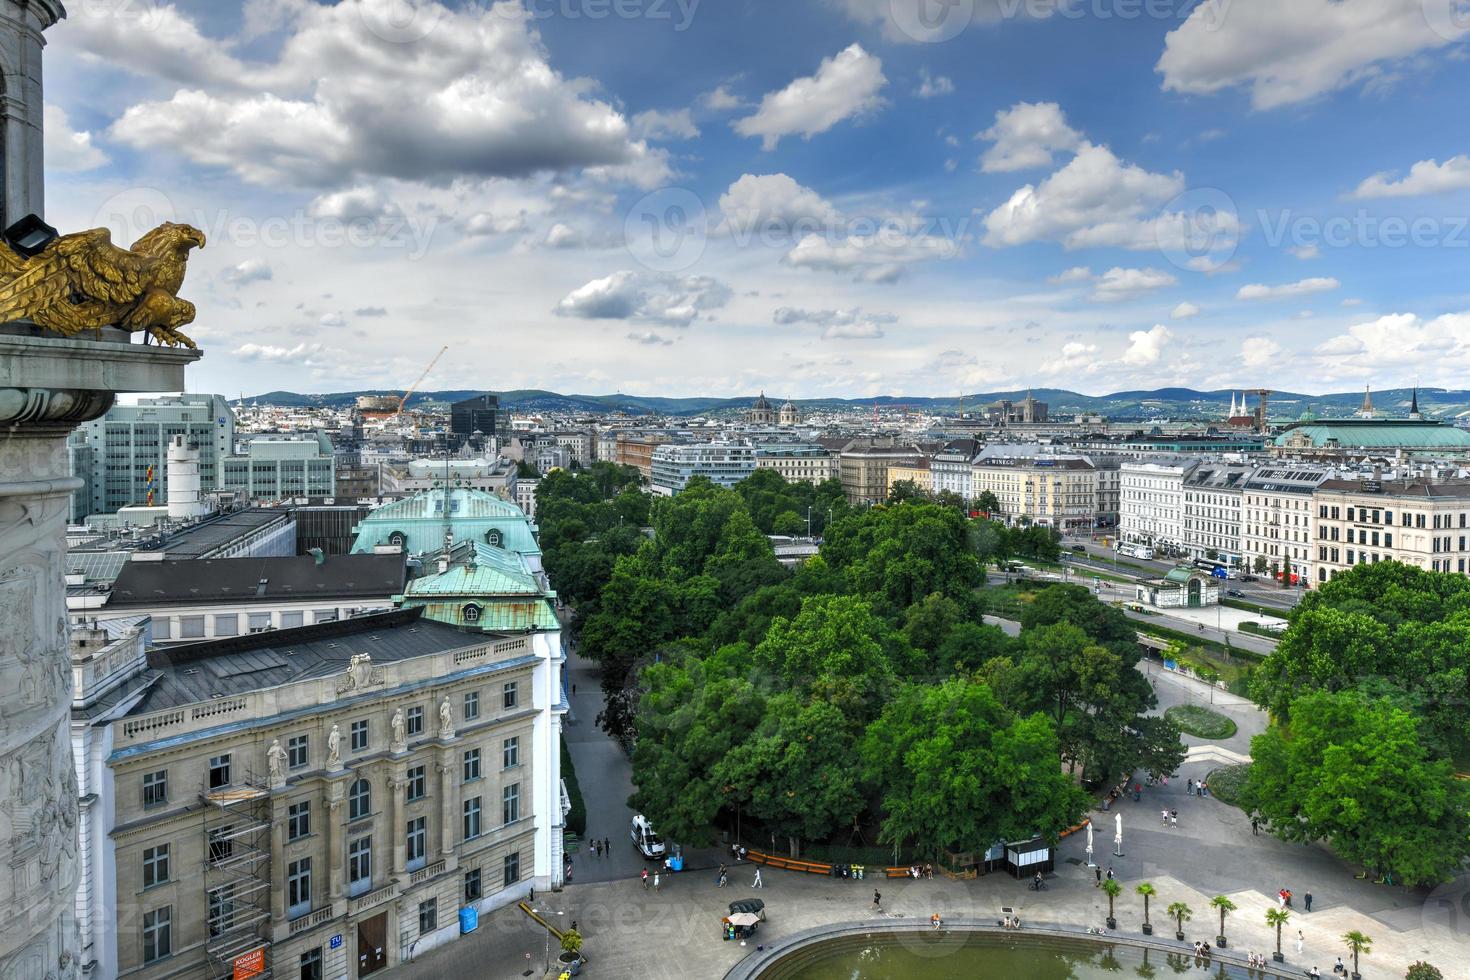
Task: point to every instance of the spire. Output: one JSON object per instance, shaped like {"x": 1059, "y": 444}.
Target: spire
{"x": 1232, "y": 406}
{"x": 1414, "y": 405}
{"x": 1367, "y": 410}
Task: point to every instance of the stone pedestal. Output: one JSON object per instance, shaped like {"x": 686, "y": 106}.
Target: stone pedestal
{"x": 47, "y": 386}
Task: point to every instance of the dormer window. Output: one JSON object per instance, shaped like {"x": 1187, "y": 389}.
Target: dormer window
{"x": 494, "y": 538}
{"x": 471, "y": 613}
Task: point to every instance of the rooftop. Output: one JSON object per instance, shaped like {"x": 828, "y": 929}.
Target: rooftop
{"x": 1376, "y": 434}
{"x": 214, "y": 533}
{"x": 1422, "y": 489}
{"x": 212, "y": 580}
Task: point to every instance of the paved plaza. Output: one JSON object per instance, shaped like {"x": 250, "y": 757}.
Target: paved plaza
{"x": 674, "y": 934}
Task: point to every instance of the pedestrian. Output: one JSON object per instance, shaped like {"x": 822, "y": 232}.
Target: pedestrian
{"x": 757, "y": 882}
{"x": 1255, "y": 827}
{"x": 1204, "y": 788}
{"x": 1189, "y": 785}
{"x": 645, "y": 879}
{"x": 1164, "y": 817}
{"x": 1299, "y": 939}
{"x": 1307, "y": 899}
{"x": 877, "y": 900}
{"x": 724, "y": 878}
{"x": 607, "y": 843}
{"x": 574, "y": 689}
{"x": 655, "y": 881}
{"x": 1110, "y": 872}
{"x": 1097, "y": 870}
{"x": 1173, "y": 818}
{"x": 597, "y": 847}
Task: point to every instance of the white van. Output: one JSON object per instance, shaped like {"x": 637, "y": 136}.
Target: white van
{"x": 649, "y": 844}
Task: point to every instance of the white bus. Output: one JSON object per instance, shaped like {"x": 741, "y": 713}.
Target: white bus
{"x": 1130, "y": 550}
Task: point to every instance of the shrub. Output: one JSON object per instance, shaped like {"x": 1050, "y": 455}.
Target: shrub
{"x": 1201, "y": 722}
{"x": 1423, "y": 971}
{"x": 577, "y": 816}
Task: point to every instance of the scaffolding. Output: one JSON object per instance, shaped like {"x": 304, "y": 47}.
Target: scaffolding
{"x": 237, "y": 879}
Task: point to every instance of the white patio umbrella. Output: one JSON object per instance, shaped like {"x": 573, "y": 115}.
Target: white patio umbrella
{"x": 1118, "y": 836}
{"x": 1089, "y": 843}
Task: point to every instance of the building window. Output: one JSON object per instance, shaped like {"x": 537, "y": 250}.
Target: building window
{"x": 311, "y": 964}
{"x": 258, "y": 622}
{"x": 158, "y": 934}
{"x": 510, "y": 752}
{"x": 191, "y": 627}
{"x": 417, "y": 842}
{"x": 398, "y": 539}
{"x": 472, "y": 889}
{"x": 513, "y": 868}
{"x": 324, "y": 616}
{"x": 472, "y": 706}
{"x": 359, "y": 800}
{"x": 298, "y": 888}
{"x": 428, "y": 916}
{"x": 298, "y": 820}
{"x": 413, "y": 721}
{"x": 510, "y": 695}
{"x": 162, "y": 628}
{"x": 510, "y": 803}
{"x": 359, "y": 736}
{"x": 219, "y": 771}
{"x": 221, "y": 909}
{"x": 155, "y": 865}
{"x": 292, "y": 620}
{"x": 360, "y": 865}
{"x": 296, "y": 751}
{"x": 472, "y": 765}
{"x": 494, "y": 538}
{"x": 471, "y": 613}
{"x": 155, "y": 788}
{"x": 221, "y": 844}
{"x": 227, "y": 624}
{"x": 472, "y": 818}
{"x": 418, "y": 782}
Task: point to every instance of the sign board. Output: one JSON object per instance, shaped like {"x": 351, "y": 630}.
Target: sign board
{"x": 336, "y": 941}
{"x": 251, "y": 964}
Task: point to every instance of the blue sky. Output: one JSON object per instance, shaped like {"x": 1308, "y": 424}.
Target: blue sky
{"x": 814, "y": 197}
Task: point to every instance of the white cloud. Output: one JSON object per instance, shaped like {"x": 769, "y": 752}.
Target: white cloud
{"x": 332, "y": 320}
{"x": 362, "y": 204}
{"x": 931, "y": 87}
{"x": 844, "y": 86}
{"x": 1290, "y": 52}
{"x": 1095, "y": 200}
{"x": 1025, "y": 136}
{"x": 1184, "y": 311}
{"x": 671, "y": 300}
{"x": 1402, "y": 340}
{"x": 1075, "y": 358}
{"x": 851, "y": 324}
{"x": 775, "y": 202}
{"x": 655, "y": 125}
{"x": 251, "y": 270}
{"x": 1078, "y": 273}
{"x": 562, "y": 236}
{"x": 66, "y": 148}
{"x": 345, "y": 100}
{"x": 881, "y": 257}
{"x": 1425, "y": 177}
{"x": 1146, "y": 346}
{"x": 1306, "y": 252}
{"x": 649, "y": 339}
{"x": 720, "y": 100}
{"x": 268, "y": 352}
{"x": 928, "y": 21}
{"x": 1118, "y": 284}
{"x": 1259, "y": 352}
{"x": 1302, "y": 287}
{"x": 485, "y": 223}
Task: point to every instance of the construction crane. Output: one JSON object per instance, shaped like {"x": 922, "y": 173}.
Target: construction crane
{"x": 1265, "y": 396}
{"x": 415, "y": 386}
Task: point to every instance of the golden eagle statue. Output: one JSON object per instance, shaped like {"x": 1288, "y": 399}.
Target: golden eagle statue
{"x": 84, "y": 282}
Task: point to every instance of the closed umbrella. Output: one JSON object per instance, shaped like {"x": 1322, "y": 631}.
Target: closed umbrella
{"x": 1089, "y": 843}
{"x": 1118, "y": 836}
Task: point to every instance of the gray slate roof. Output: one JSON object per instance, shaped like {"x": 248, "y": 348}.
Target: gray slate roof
{"x": 145, "y": 584}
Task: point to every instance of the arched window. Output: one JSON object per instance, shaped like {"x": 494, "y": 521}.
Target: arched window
{"x": 471, "y": 613}
{"x": 359, "y": 800}
{"x": 494, "y": 538}
{"x": 398, "y": 539}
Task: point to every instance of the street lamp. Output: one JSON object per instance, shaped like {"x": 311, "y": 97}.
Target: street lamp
{"x": 546, "y": 962}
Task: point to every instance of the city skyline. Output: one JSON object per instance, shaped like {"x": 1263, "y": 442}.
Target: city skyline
{"x": 845, "y": 203}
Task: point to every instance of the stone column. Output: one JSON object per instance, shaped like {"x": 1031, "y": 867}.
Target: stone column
{"x": 336, "y": 857}
{"x": 398, "y": 828}
{"x": 21, "y": 105}
{"x": 47, "y": 386}
{"x": 448, "y": 803}
{"x": 278, "y": 859}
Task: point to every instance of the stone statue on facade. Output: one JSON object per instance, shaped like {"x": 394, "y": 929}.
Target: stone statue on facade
{"x": 400, "y": 740}
{"x": 334, "y": 748}
{"x": 446, "y": 719}
{"x": 275, "y": 758}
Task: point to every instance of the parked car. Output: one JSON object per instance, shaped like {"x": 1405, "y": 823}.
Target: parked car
{"x": 649, "y": 844}
{"x": 1249, "y": 578}
{"x": 1235, "y": 593}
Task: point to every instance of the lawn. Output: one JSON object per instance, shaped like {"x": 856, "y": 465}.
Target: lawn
{"x": 1225, "y": 783}
{"x": 1200, "y": 721}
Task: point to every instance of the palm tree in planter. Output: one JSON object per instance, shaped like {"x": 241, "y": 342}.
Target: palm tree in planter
{"x": 1357, "y": 943}
{"x": 1277, "y": 917}
{"x": 1147, "y": 891}
{"x": 570, "y": 958}
{"x": 1225, "y": 906}
{"x": 1181, "y": 914}
{"x": 1113, "y": 889}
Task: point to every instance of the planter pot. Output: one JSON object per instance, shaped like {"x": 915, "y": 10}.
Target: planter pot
{"x": 1148, "y": 930}
{"x": 570, "y": 962}
{"x": 1112, "y": 923}
{"x": 1278, "y": 957}
{"x": 1220, "y": 941}
{"x": 1179, "y": 936}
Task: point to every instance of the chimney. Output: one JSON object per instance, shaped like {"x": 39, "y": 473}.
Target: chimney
{"x": 443, "y": 564}
{"x": 319, "y": 555}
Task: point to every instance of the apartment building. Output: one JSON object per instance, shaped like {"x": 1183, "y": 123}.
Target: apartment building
{"x": 1053, "y": 491}
{"x": 722, "y": 463}
{"x": 797, "y": 462}
{"x": 863, "y": 467}
{"x": 322, "y": 802}
{"x": 950, "y": 468}
{"x": 1419, "y": 522}
{"x": 1151, "y": 502}
{"x": 1212, "y": 509}
{"x": 1276, "y": 517}
{"x": 913, "y": 470}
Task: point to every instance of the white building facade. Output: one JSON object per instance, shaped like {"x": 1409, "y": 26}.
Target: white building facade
{"x": 1151, "y": 502}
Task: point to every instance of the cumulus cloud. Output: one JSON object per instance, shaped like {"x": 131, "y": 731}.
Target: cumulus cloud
{"x": 881, "y": 257}
{"x": 68, "y": 149}
{"x": 1025, "y": 136}
{"x": 663, "y": 126}
{"x": 649, "y": 339}
{"x": 933, "y": 86}
{"x": 267, "y": 352}
{"x": 851, "y": 324}
{"x": 344, "y": 99}
{"x": 562, "y": 236}
{"x": 1184, "y": 311}
{"x": 1259, "y": 352}
{"x": 1286, "y": 53}
{"x": 675, "y": 301}
{"x": 485, "y": 223}
{"x": 1096, "y": 200}
{"x": 1145, "y": 347}
{"x": 370, "y": 311}
{"x": 1118, "y": 284}
{"x": 1074, "y": 358}
{"x": 775, "y": 202}
{"x": 1078, "y": 273}
{"x": 1401, "y": 340}
{"x": 251, "y": 270}
{"x": 844, "y": 86}
{"x": 1306, "y": 252}
{"x": 1301, "y": 287}
{"x": 721, "y": 100}
{"x": 355, "y": 205}
{"x": 1424, "y": 178}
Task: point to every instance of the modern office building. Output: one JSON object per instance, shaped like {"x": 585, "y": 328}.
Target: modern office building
{"x": 122, "y": 457}
{"x": 481, "y": 414}
{"x": 722, "y": 463}
{"x": 276, "y": 467}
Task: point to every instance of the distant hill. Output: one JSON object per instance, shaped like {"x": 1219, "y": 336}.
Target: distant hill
{"x": 1140, "y": 404}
